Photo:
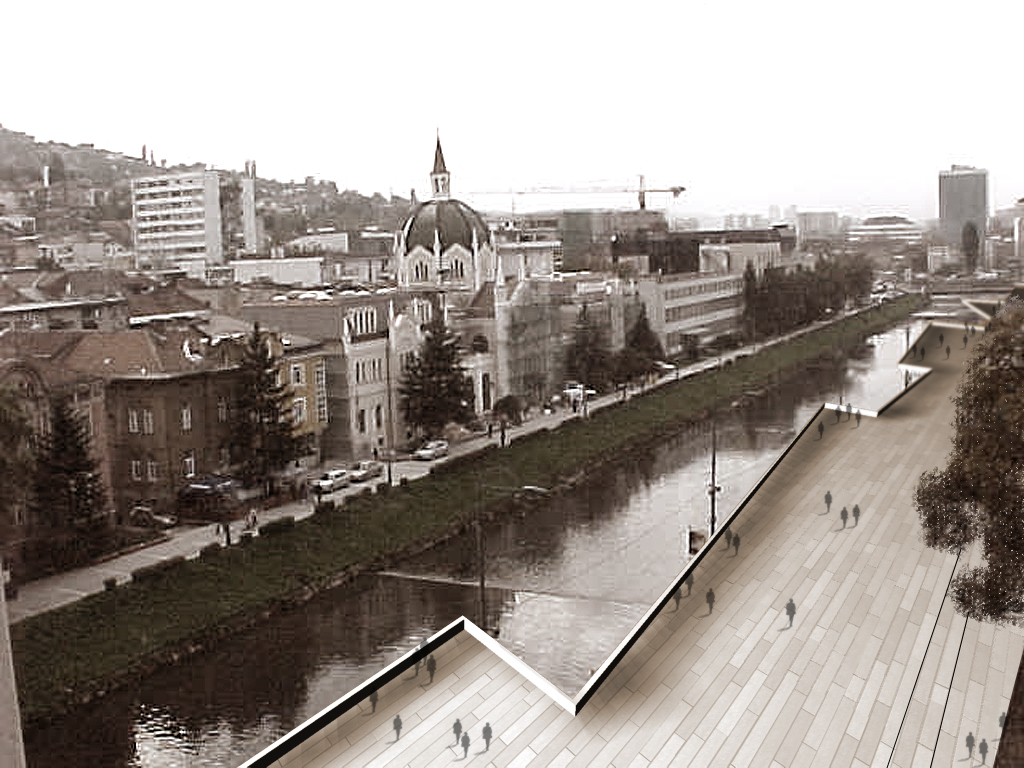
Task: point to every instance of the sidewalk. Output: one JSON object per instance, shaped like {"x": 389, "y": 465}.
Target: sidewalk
{"x": 64, "y": 588}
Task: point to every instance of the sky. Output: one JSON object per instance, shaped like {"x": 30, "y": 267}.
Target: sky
{"x": 843, "y": 106}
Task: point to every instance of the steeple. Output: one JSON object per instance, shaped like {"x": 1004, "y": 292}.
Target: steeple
{"x": 439, "y": 177}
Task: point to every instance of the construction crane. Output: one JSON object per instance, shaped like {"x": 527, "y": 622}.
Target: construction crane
{"x": 641, "y": 192}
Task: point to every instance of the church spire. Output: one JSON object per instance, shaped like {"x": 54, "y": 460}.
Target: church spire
{"x": 439, "y": 178}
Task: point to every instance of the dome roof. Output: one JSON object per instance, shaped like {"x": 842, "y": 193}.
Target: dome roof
{"x": 454, "y": 222}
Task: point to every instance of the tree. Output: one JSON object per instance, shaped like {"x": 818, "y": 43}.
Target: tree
{"x": 980, "y": 492}
{"x": 642, "y": 349}
{"x": 588, "y": 359}
{"x": 262, "y": 440}
{"x": 15, "y": 453}
{"x": 434, "y": 388}
{"x": 67, "y": 487}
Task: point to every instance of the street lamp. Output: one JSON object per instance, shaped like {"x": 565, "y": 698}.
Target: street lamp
{"x": 481, "y": 541}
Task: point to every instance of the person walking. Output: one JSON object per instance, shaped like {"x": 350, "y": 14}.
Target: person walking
{"x": 842, "y": 516}
{"x": 849, "y": 411}
{"x": 397, "y": 724}
{"x": 828, "y": 502}
{"x": 947, "y": 351}
{"x": 487, "y": 737}
{"x": 941, "y": 339}
{"x": 728, "y": 538}
{"x": 972, "y": 330}
{"x": 791, "y": 610}
{"x": 856, "y": 515}
{"x": 465, "y": 746}
{"x": 838, "y": 411}
{"x": 677, "y": 597}
{"x": 736, "y": 543}
{"x": 457, "y": 730}
{"x": 431, "y": 666}
{"x": 502, "y": 434}
{"x": 970, "y": 744}
{"x": 710, "y": 597}
{"x": 965, "y": 340}
{"x": 914, "y": 350}
{"x": 373, "y": 701}
{"x": 983, "y": 750}
{"x": 689, "y": 584}
{"x": 858, "y": 419}
{"x": 821, "y": 429}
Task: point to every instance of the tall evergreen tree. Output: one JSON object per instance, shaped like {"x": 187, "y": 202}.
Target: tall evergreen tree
{"x": 588, "y": 359}
{"x": 67, "y": 487}
{"x": 262, "y": 440}
{"x": 15, "y": 454}
{"x": 434, "y": 388}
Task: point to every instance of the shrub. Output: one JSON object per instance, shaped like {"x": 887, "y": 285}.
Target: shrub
{"x": 324, "y": 507}
{"x": 157, "y": 570}
{"x": 277, "y": 526}
{"x": 403, "y": 481}
{"x": 110, "y": 583}
{"x": 210, "y": 551}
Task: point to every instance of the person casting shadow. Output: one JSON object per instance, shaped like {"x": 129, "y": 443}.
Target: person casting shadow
{"x": 790, "y": 611}
{"x": 821, "y": 429}
{"x": 710, "y": 597}
{"x": 856, "y": 515}
{"x": 828, "y": 502}
{"x": 373, "y": 701}
{"x": 842, "y": 516}
{"x": 397, "y": 723}
{"x": 736, "y": 544}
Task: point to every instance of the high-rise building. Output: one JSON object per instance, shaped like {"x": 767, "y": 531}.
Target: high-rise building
{"x": 176, "y": 221}
{"x": 963, "y": 209}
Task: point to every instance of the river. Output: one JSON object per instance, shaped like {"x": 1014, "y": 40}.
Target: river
{"x": 565, "y": 584}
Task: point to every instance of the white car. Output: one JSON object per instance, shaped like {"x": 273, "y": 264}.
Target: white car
{"x": 330, "y": 481}
{"x": 432, "y": 450}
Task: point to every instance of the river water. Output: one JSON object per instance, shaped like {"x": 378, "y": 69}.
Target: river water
{"x": 565, "y": 584}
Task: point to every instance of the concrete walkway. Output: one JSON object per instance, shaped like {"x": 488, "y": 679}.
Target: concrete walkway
{"x": 876, "y": 670}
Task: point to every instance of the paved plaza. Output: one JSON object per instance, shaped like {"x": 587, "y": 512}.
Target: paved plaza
{"x": 876, "y": 665}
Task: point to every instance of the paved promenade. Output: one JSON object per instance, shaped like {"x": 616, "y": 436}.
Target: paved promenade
{"x": 876, "y": 670}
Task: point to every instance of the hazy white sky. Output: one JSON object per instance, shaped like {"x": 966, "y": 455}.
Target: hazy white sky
{"x": 851, "y": 106}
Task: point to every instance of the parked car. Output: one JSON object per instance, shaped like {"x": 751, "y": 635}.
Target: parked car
{"x": 330, "y": 481}
{"x": 432, "y": 450}
{"x": 365, "y": 470}
{"x": 144, "y": 517}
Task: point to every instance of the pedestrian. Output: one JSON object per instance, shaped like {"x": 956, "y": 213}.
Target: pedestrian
{"x": 465, "y": 746}
{"x": 947, "y": 351}
{"x": 838, "y": 411}
{"x": 828, "y": 501}
{"x": 490, "y": 429}
{"x": 710, "y": 597}
{"x": 856, "y": 515}
{"x": 849, "y": 411}
{"x": 728, "y": 537}
{"x": 914, "y": 350}
{"x": 842, "y": 516}
{"x": 965, "y": 341}
{"x": 376, "y": 453}
{"x": 487, "y": 737}
{"x": 431, "y": 666}
{"x": 941, "y": 339}
{"x": 689, "y": 584}
{"x": 858, "y": 418}
{"x": 983, "y": 749}
{"x": 972, "y": 330}
{"x": 821, "y": 429}
{"x": 397, "y": 723}
{"x": 677, "y": 597}
{"x": 970, "y": 744}
{"x": 736, "y": 543}
{"x": 503, "y": 434}
{"x": 373, "y": 701}
{"x": 791, "y": 610}
{"x": 457, "y": 730}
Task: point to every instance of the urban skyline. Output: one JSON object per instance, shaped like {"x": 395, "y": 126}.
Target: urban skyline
{"x": 787, "y": 104}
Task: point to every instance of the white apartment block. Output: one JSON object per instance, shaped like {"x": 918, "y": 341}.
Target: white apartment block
{"x": 176, "y": 221}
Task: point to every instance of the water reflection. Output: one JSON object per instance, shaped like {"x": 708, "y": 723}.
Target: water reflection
{"x": 566, "y": 582}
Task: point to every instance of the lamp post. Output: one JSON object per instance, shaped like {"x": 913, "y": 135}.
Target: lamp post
{"x": 713, "y": 488}
{"x": 481, "y": 542}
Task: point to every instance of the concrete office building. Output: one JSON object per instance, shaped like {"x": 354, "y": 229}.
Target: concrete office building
{"x": 963, "y": 206}
{"x": 176, "y": 221}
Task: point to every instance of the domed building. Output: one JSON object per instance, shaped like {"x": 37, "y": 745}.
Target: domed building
{"x": 445, "y": 243}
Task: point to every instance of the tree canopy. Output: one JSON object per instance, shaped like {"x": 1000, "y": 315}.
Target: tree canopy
{"x": 980, "y": 492}
{"x": 434, "y": 388}
{"x": 67, "y": 487}
{"x": 588, "y": 359}
{"x": 262, "y": 440}
{"x": 15, "y": 453}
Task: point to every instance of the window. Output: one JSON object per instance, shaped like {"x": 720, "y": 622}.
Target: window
{"x": 188, "y": 465}
{"x": 147, "y": 422}
{"x": 186, "y": 418}
{"x": 362, "y": 420}
{"x": 299, "y": 410}
{"x": 321, "y": 393}
{"x": 298, "y": 375}
{"x": 136, "y": 470}
{"x": 133, "y": 420}
{"x": 222, "y": 410}
{"x": 152, "y": 471}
